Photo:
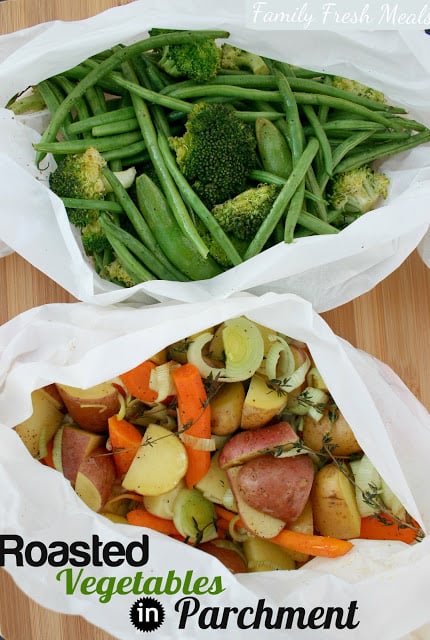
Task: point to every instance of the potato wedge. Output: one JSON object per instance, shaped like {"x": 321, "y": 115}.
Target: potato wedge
{"x": 95, "y": 478}
{"x": 244, "y": 446}
{"x": 226, "y": 408}
{"x": 334, "y": 504}
{"x": 40, "y": 427}
{"x": 159, "y": 465}
{"x": 90, "y": 408}
{"x": 261, "y": 403}
{"x": 334, "y": 427}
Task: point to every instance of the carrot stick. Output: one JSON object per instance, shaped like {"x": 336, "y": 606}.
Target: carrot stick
{"x": 374, "y": 529}
{"x": 125, "y": 439}
{"x": 194, "y": 418}
{"x": 143, "y": 518}
{"x": 324, "y": 546}
{"x": 312, "y": 545}
{"x": 137, "y": 381}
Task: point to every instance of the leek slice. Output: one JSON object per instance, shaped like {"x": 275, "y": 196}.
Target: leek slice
{"x": 194, "y": 516}
{"x": 243, "y": 351}
{"x": 243, "y": 348}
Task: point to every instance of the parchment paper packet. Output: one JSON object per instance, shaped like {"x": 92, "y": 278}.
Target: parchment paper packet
{"x": 327, "y": 270}
{"x": 82, "y": 344}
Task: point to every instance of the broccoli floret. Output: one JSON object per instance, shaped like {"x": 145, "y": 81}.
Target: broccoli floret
{"x": 216, "y": 152}
{"x": 242, "y": 215}
{"x": 357, "y": 190}
{"x": 80, "y": 176}
{"x": 93, "y": 238}
{"x": 195, "y": 60}
{"x": 115, "y": 272}
{"x": 236, "y": 59}
{"x": 357, "y": 88}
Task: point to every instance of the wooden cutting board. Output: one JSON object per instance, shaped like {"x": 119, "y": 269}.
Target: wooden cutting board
{"x": 390, "y": 322}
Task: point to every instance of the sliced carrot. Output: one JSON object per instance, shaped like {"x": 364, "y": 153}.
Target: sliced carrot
{"x": 125, "y": 439}
{"x": 194, "y": 418}
{"x": 374, "y": 529}
{"x": 137, "y": 381}
{"x": 323, "y": 546}
{"x": 312, "y": 545}
{"x": 48, "y": 459}
{"x": 143, "y": 518}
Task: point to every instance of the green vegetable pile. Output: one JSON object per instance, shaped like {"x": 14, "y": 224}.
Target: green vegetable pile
{"x": 181, "y": 155}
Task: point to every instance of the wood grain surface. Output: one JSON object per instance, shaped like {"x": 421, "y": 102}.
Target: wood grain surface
{"x": 390, "y": 322}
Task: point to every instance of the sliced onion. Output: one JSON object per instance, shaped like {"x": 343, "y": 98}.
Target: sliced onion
{"x": 298, "y": 377}
{"x": 279, "y": 363}
{"x": 240, "y": 534}
{"x": 161, "y": 381}
{"x": 199, "y": 444}
{"x": 195, "y": 357}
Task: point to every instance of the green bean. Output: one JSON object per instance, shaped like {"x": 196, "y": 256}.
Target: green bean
{"x": 132, "y": 154}
{"x": 271, "y": 178}
{"x": 316, "y": 225}
{"x": 290, "y": 187}
{"x": 98, "y": 205}
{"x": 352, "y": 107}
{"x": 105, "y": 67}
{"x": 96, "y": 101}
{"x": 115, "y": 128}
{"x": 137, "y": 220}
{"x": 80, "y": 146}
{"x": 80, "y": 106}
{"x": 153, "y": 96}
{"x": 320, "y": 134}
{"x": 168, "y": 185}
{"x": 141, "y": 252}
{"x": 53, "y": 100}
{"x": 103, "y": 119}
{"x": 341, "y": 152}
{"x": 377, "y": 152}
{"x": 297, "y": 141}
{"x": 316, "y": 194}
{"x": 133, "y": 267}
{"x": 175, "y": 245}
{"x": 197, "y": 205}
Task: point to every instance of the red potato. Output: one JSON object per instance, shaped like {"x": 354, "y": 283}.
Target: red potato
{"x": 279, "y": 487}
{"x": 91, "y": 408}
{"x": 256, "y": 522}
{"x": 95, "y": 479}
{"x": 76, "y": 444}
{"x": 249, "y": 444}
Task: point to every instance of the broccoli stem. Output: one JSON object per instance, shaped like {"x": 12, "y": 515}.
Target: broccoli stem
{"x": 109, "y": 64}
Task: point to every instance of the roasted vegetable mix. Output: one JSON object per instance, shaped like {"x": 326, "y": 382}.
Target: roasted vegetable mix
{"x": 181, "y": 155}
{"x": 228, "y": 440}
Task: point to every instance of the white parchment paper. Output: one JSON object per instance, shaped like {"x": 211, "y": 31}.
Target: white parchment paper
{"x": 328, "y": 270}
{"x": 82, "y": 344}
